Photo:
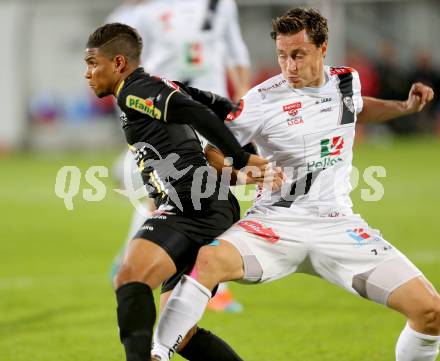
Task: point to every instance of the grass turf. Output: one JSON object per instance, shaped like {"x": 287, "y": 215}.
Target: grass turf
{"x": 56, "y": 302}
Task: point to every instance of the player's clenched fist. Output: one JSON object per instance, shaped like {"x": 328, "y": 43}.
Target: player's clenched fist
{"x": 419, "y": 96}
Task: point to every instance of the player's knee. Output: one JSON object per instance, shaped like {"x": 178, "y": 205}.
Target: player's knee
{"x": 428, "y": 315}
{"x": 210, "y": 264}
{"x": 123, "y": 276}
{"x": 128, "y": 273}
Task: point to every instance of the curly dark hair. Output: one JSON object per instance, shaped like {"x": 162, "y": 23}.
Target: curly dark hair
{"x": 298, "y": 19}
{"x": 117, "y": 38}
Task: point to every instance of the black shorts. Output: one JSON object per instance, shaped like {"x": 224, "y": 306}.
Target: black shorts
{"x": 182, "y": 233}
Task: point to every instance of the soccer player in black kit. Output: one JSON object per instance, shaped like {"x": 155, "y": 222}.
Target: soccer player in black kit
{"x": 158, "y": 118}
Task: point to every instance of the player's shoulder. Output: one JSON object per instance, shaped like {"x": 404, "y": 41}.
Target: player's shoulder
{"x": 271, "y": 86}
{"x": 139, "y": 83}
{"x": 344, "y": 76}
{"x": 141, "y": 93}
{"x": 335, "y": 71}
{"x": 254, "y": 98}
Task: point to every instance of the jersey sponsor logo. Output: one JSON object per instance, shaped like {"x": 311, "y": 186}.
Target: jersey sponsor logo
{"x": 331, "y": 147}
{"x": 293, "y": 108}
{"x": 325, "y": 110}
{"x": 296, "y": 120}
{"x": 262, "y": 91}
{"x": 323, "y": 100}
{"x": 259, "y": 230}
{"x": 235, "y": 113}
{"x": 144, "y": 106}
{"x": 341, "y": 70}
{"x": 322, "y": 164}
{"x": 333, "y": 214}
{"x": 348, "y": 101}
{"x": 363, "y": 238}
{"x": 330, "y": 154}
{"x": 358, "y": 234}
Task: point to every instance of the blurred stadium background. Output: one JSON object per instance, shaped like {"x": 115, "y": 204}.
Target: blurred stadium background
{"x": 56, "y": 302}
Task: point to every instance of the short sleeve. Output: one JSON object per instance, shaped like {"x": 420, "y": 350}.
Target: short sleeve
{"x": 246, "y": 120}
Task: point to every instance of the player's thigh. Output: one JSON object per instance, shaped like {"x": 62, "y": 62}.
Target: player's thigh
{"x": 356, "y": 257}
{"x": 266, "y": 249}
{"x": 157, "y": 253}
{"x": 145, "y": 261}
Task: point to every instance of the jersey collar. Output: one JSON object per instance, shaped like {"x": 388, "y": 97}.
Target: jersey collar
{"x": 138, "y": 72}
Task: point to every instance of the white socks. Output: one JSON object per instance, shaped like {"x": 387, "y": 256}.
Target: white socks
{"x": 415, "y": 346}
{"x": 183, "y": 310}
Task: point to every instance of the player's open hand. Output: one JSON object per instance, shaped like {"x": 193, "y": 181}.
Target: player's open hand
{"x": 419, "y": 96}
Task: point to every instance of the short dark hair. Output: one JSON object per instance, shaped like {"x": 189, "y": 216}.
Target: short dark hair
{"x": 117, "y": 38}
{"x": 298, "y": 19}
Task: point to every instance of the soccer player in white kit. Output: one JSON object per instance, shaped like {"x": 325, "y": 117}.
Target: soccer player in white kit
{"x": 196, "y": 42}
{"x": 304, "y": 121}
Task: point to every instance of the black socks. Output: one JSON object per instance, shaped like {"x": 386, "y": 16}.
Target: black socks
{"x": 205, "y": 346}
{"x": 136, "y": 317}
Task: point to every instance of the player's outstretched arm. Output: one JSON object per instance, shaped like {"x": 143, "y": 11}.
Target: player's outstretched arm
{"x": 265, "y": 174}
{"x": 380, "y": 110}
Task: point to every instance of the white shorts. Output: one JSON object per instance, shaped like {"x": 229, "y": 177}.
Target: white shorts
{"x": 344, "y": 250}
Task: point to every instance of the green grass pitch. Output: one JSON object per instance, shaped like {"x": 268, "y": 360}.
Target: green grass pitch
{"x": 56, "y": 302}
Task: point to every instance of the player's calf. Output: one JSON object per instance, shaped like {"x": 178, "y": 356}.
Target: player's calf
{"x": 205, "y": 346}
{"x": 217, "y": 262}
{"x": 136, "y": 316}
{"x": 145, "y": 266}
{"x": 183, "y": 310}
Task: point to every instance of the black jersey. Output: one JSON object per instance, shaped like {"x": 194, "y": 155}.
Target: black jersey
{"x": 158, "y": 118}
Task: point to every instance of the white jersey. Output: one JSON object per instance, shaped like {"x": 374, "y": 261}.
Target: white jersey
{"x": 309, "y": 132}
{"x": 124, "y": 13}
{"x": 191, "y": 40}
